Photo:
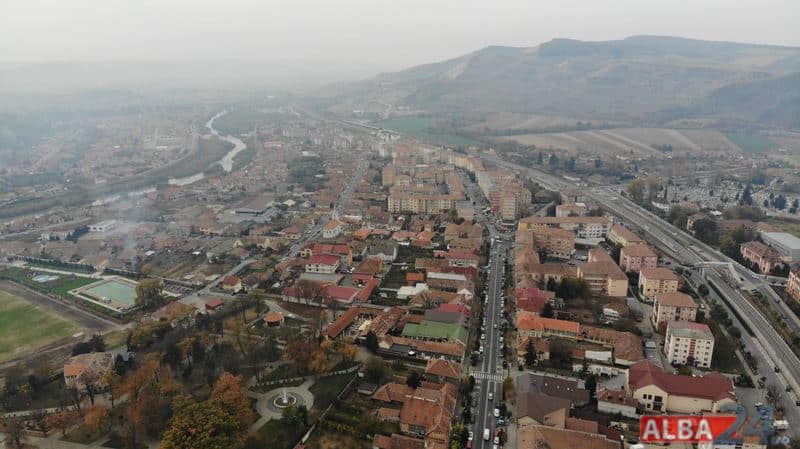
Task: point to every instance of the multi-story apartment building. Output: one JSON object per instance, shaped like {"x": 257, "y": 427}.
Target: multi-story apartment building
{"x": 689, "y": 343}
{"x": 571, "y": 210}
{"x": 636, "y": 257}
{"x": 653, "y": 281}
{"x": 583, "y": 227}
{"x": 603, "y": 275}
{"x": 622, "y": 236}
{"x": 675, "y": 306}
{"x": 555, "y": 242}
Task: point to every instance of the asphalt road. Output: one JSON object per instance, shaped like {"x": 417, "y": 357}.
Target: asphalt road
{"x": 489, "y": 372}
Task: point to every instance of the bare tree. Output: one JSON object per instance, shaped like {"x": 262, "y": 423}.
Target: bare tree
{"x": 90, "y": 381}
{"x": 309, "y": 291}
{"x": 773, "y": 394}
{"x": 15, "y": 432}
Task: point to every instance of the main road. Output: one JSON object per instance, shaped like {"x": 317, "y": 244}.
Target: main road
{"x": 489, "y": 372}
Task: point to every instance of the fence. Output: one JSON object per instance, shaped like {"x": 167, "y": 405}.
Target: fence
{"x": 295, "y": 379}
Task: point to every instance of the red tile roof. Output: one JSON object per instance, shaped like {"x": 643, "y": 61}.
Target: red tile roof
{"x": 712, "y": 386}
{"x": 322, "y": 259}
{"x": 231, "y": 280}
{"x": 343, "y": 322}
{"x": 214, "y": 303}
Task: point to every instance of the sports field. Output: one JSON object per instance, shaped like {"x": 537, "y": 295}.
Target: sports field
{"x": 115, "y": 293}
{"x": 25, "y": 327}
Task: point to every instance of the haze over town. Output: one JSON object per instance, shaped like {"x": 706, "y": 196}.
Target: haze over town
{"x": 398, "y": 224}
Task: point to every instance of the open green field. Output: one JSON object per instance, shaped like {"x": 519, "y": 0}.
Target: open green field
{"x": 425, "y": 129}
{"x": 792, "y": 226}
{"x": 751, "y": 143}
{"x": 24, "y": 326}
{"x": 60, "y": 286}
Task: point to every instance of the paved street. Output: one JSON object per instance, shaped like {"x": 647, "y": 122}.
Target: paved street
{"x": 489, "y": 372}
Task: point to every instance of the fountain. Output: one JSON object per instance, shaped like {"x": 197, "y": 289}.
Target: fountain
{"x": 284, "y": 400}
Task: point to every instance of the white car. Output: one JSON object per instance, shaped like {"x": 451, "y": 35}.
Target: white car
{"x": 496, "y": 412}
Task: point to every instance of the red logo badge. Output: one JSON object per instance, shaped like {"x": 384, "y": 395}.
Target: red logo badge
{"x": 683, "y": 429}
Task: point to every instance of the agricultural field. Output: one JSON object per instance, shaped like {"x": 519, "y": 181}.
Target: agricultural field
{"x": 633, "y": 142}
{"x": 424, "y": 129}
{"x": 751, "y": 143}
{"x": 25, "y": 327}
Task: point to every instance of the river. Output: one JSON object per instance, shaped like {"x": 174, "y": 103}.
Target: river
{"x": 226, "y": 162}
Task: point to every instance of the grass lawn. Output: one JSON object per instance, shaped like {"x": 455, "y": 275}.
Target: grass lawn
{"x": 425, "y": 129}
{"x": 751, "y": 143}
{"x": 326, "y": 389}
{"x": 792, "y": 226}
{"x": 276, "y": 435}
{"x": 59, "y": 287}
{"x": 24, "y": 326}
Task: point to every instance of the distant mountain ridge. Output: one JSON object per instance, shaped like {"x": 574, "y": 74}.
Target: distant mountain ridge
{"x": 637, "y": 79}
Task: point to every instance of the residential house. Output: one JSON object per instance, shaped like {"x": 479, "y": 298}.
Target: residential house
{"x": 322, "y": 263}
{"x": 441, "y": 370}
{"x": 293, "y": 233}
{"x": 332, "y": 229}
{"x": 344, "y": 252}
{"x": 88, "y": 369}
{"x": 386, "y": 250}
{"x": 613, "y": 402}
{"x": 532, "y": 325}
{"x": 232, "y": 284}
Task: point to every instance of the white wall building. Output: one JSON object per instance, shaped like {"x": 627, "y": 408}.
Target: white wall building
{"x": 689, "y": 343}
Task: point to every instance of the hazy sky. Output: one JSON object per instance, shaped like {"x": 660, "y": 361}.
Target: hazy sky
{"x": 363, "y": 36}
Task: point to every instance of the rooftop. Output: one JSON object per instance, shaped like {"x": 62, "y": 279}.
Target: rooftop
{"x": 660, "y": 273}
{"x": 675, "y": 299}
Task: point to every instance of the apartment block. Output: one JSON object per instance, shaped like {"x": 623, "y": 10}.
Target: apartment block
{"x": 689, "y": 343}
{"x": 636, "y": 257}
{"x": 653, "y": 281}
{"x": 672, "y": 307}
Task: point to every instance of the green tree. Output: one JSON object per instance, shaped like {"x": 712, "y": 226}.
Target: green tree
{"x": 371, "y": 342}
{"x": 706, "y": 230}
{"x": 205, "y": 425}
{"x": 376, "y": 371}
{"x": 530, "y": 354}
{"x": 414, "y": 380}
